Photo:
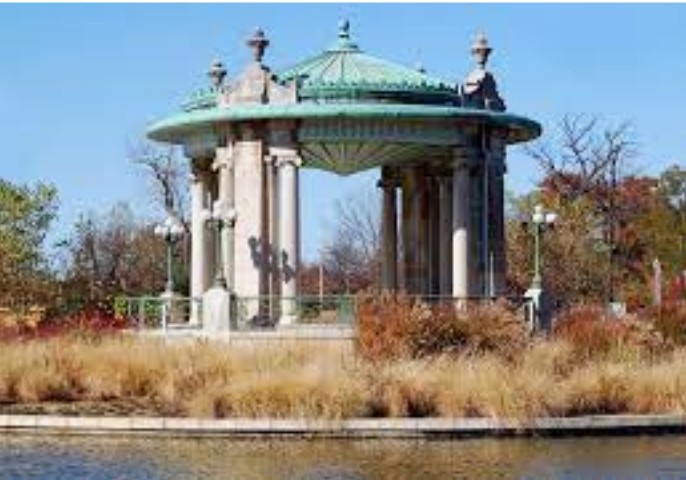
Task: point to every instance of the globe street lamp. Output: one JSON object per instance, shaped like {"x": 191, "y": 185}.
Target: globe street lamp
{"x": 541, "y": 221}
{"x": 171, "y": 230}
{"x": 539, "y": 309}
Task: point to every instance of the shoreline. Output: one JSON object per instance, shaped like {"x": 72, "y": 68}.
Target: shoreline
{"x": 357, "y": 428}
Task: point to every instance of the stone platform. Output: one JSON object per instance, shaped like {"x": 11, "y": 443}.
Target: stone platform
{"x": 417, "y": 428}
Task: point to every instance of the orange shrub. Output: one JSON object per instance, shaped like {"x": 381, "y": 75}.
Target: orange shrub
{"x": 398, "y": 327}
{"x": 670, "y": 321}
{"x": 592, "y": 332}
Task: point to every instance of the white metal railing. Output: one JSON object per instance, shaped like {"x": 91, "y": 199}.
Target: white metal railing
{"x": 165, "y": 312}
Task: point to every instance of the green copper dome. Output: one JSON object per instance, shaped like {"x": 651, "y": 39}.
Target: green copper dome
{"x": 347, "y": 110}
{"x": 345, "y": 72}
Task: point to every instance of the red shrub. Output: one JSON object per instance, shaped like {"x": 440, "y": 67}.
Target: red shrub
{"x": 88, "y": 323}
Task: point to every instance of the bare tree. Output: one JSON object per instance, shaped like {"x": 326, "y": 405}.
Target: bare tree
{"x": 586, "y": 158}
{"x": 352, "y": 257}
{"x": 590, "y": 161}
{"x": 114, "y": 253}
{"x": 167, "y": 174}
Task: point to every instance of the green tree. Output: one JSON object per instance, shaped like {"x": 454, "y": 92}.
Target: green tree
{"x": 26, "y": 213}
{"x": 672, "y": 190}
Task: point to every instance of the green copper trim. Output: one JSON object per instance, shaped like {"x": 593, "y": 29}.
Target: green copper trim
{"x": 176, "y": 127}
{"x": 200, "y": 99}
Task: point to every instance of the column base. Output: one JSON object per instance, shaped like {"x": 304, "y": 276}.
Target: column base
{"x": 217, "y": 312}
{"x": 287, "y": 321}
{"x": 195, "y": 318}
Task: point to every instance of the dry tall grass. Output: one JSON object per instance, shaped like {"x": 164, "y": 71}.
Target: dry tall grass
{"x": 210, "y": 380}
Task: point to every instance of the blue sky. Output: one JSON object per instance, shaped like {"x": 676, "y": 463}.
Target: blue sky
{"x": 78, "y": 83}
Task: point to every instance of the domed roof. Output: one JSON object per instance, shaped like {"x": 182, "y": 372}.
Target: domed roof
{"x": 345, "y": 72}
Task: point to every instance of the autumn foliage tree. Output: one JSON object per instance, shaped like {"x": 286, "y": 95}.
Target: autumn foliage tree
{"x": 113, "y": 254}
{"x": 612, "y": 223}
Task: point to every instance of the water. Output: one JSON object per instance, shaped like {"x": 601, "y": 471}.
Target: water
{"x": 23, "y": 457}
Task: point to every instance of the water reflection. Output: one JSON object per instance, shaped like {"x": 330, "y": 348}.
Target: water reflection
{"x": 23, "y": 457}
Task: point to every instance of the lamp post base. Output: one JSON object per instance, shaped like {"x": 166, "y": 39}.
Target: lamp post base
{"x": 217, "y": 314}
{"x": 172, "y": 308}
{"x": 539, "y": 309}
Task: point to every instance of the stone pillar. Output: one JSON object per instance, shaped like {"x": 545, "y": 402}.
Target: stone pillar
{"x": 498, "y": 240}
{"x": 423, "y": 244}
{"x": 211, "y": 237}
{"x": 273, "y": 236}
{"x": 217, "y": 311}
{"x": 201, "y": 274}
{"x": 477, "y": 267}
{"x": 223, "y": 164}
{"x": 410, "y": 227}
{"x": 249, "y": 197}
{"x": 389, "y": 231}
{"x": 461, "y": 227}
{"x": 434, "y": 277}
{"x": 288, "y": 164}
{"x": 445, "y": 208}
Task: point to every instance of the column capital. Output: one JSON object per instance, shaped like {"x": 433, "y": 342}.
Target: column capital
{"x": 200, "y": 168}
{"x": 292, "y": 159}
{"x": 387, "y": 183}
{"x": 462, "y": 163}
{"x": 281, "y": 133}
{"x": 497, "y": 166}
{"x": 248, "y": 132}
{"x": 223, "y": 158}
{"x": 498, "y": 140}
{"x": 390, "y": 177}
{"x": 444, "y": 180}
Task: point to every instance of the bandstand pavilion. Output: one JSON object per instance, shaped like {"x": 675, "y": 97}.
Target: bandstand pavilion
{"x": 440, "y": 148}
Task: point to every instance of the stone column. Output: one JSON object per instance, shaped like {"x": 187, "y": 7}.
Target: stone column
{"x": 389, "y": 231}
{"x": 217, "y": 311}
{"x": 225, "y": 201}
{"x": 410, "y": 212}
{"x": 273, "y": 235}
{"x": 249, "y": 197}
{"x": 211, "y": 237}
{"x": 477, "y": 267}
{"x": 461, "y": 227}
{"x": 422, "y": 223}
{"x": 498, "y": 245}
{"x": 445, "y": 208}
{"x": 201, "y": 274}
{"x": 288, "y": 164}
{"x": 434, "y": 280}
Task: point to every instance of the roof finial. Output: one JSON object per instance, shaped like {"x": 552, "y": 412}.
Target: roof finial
{"x": 258, "y": 43}
{"x": 481, "y": 50}
{"x": 344, "y": 29}
{"x": 217, "y": 73}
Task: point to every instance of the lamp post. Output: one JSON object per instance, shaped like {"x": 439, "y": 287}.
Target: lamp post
{"x": 171, "y": 230}
{"x": 219, "y": 217}
{"x": 217, "y": 309}
{"x": 539, "y": 309}
{"x": 541, "y": 221}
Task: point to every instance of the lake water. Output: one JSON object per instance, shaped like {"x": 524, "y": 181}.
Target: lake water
{"x": 35, "y": 457}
